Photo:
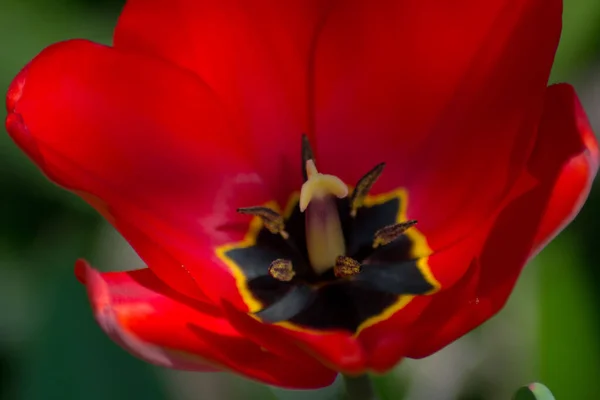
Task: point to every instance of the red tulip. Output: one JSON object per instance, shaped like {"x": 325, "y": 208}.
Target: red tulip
{"x": 197, "y": 111}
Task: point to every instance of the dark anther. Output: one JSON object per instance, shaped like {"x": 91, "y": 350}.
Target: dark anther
{"x": 363, "y": 187}
{"x": 273, "y": 220}
{"x": 307, "y": 154}
{"x": 390, "y": 233}
{"x": 346, "y": 266}
{"x": 282, "y": 270}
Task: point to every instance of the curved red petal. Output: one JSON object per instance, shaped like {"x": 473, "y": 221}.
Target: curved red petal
{"x": 573, "y": 185}
{"x": 155, "y": 323}
{"x": 276, "y": 340}
{"x": 103, "y": 290}
{"x": 148, "y": 144}
{"x": 255, "y": 58}
{"x": 387, "y": 342}
{"x": 448, "y": 94}
{"x": 564, "y": 161}
{"x": 336, "y": 349}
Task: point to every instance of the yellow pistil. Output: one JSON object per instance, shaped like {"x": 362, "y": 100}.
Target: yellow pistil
{"x": 324, "y": 235}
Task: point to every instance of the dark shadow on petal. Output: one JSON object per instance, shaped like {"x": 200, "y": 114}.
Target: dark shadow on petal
{"x": 403, "y": 278}
{"x": 288, "y": 306}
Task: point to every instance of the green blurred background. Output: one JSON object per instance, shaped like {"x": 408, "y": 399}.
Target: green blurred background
{"x": 51, "y": 348}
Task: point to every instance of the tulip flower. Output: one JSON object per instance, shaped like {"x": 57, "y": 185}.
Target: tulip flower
{"x": 317, "y": 187}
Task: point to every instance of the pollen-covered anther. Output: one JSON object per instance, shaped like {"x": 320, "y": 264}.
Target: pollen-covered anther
{"x": 282, "y": 270}
{"x": 273, "y": 221}
{"x": 363, "y": 187}
{"x": 390, "y": 233}
{"x": 346, "y": 266}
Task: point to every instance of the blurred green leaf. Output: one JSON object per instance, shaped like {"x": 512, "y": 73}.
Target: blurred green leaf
{"x": 569, "y": 329}
{"x": 580, "y": 38}
{"x": 391, "y": 386}
{"x": 72, "y": 359}
{"x": 534, "y": 391}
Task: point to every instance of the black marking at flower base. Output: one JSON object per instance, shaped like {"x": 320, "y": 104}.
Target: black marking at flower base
{"x": 324, "y": 302}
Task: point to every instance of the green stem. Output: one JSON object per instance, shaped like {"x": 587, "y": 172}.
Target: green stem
{"x": 359, "y": 388}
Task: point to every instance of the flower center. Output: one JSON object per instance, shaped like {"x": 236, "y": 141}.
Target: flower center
{"x": 325, "y": 239}
{"x": 336, "y": 260}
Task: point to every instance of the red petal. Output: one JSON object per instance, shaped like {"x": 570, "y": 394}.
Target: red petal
{"x": 255, "y": 57}
{"x": 155, "y": 323}
{"x": 147, "y": 144}
{"x": 338, "y": 350}
{"x": 573, "y": 184}
{"x": 383, "y": 81}
{"x": 387, "y": 341}
{"x": 564, "y": 161}
{"x": 447, "y": 93}
{"x": 104, "y": 290}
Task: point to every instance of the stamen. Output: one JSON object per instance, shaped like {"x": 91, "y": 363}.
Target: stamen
{"x": 282, "y": 270}
{"x": 324, "y": 235}
{"x": 390, "y": 233}
{"x": 345, "y": 267}
{"x": 272, "y": 219}
{"x": 307, "y": 154}
{"x": 363, "y": 187}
